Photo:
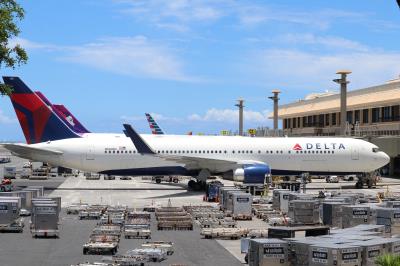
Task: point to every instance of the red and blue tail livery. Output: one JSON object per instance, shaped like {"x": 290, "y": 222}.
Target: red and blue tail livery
{"x": 65, "y": 115}
{"x": 155, "y": 129}
{"x": 38, "y": 121}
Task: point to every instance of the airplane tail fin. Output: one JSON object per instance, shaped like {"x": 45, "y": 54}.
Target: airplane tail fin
{"x": 65, "y": 115}
{"x": 68, "y": 117}
{"x": 155, "y": 129}
{"x": 38, "y": 121}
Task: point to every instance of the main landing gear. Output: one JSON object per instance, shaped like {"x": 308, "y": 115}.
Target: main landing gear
{"x": 196, "y": 185}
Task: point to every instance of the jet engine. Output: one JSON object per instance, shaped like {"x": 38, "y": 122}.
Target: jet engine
{"x": 252, "y": 173}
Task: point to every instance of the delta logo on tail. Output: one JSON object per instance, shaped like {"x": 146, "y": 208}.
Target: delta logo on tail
{"x": 297, "y": 147}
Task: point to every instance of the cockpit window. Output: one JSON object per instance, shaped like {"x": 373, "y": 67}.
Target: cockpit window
{"x": 375, "y": 149}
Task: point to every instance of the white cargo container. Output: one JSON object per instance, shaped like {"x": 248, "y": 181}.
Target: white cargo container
{"x": 45, "y": 219}
{"x": 335, "y": 254}
{"x": 268, "y": 252}
{"x": 241, "y": 206}
{"x": 354, "y": 215}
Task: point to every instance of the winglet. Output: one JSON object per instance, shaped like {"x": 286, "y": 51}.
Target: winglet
{"x": 137, "y": 140}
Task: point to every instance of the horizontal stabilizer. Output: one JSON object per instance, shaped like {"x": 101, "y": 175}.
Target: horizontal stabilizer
{"x": 27, "y": 151}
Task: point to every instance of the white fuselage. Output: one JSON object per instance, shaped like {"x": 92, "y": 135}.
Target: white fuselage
{"x": 116, "y": 154}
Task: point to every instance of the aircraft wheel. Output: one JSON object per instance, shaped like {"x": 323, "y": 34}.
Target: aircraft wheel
{"x": 191, "y": 184}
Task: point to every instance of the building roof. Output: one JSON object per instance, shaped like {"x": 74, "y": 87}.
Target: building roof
{"x": 377, "y": 96}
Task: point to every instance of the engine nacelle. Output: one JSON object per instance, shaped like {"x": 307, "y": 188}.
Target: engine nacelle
{"x": 252, "y": 173}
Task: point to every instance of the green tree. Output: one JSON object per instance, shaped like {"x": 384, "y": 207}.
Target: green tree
{"x": 388, "y": 260}
{"x": 10, "y": 55}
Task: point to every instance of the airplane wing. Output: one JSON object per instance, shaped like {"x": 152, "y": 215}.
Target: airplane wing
{"x": 189, "y": 161}
{"x": 25, "y": 150}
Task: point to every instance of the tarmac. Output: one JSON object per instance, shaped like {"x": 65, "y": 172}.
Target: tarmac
{"x": 191, "y": 248}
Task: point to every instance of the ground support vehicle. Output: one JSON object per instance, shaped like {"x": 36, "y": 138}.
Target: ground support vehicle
{"x": 15, "y": 227}
{"x": 152, "y": 254}
{"x": 76, "y": 208}
{"x": 224, "y": 233}
{"x": 129, "y": 260}
{"x": 137, "y": 231}
{"x": 101, "y": 244}
{"x": 6, "y": 185}
{"x": 169, "y": 179}
{"x": 168, "y": 247}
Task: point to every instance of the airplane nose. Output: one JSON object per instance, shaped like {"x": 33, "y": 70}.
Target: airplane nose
{"x": 384, "y": 158}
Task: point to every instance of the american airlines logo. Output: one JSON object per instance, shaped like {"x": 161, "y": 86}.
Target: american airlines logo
{"x": 320, "y": 146}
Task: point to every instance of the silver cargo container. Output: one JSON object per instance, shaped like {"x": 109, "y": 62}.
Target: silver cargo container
{"x": 332, "y": 213}
{"x": 44, "y": 219}
{"x": 276, "y": 198}
{"x": 242, "y": 203}
{"x": 40, "y": 190}
{"x": 9, "y": 211}
{"x": 304, "y": 211}
{"x": 393, "y": 204}
{"x": 228, "y": 199}
{"x": 335, "y": 254}
{"x": 224, "y": 194}
{"x": 354, "y": 215}
{"x": 389, "y": 217}
{"x": 26, "y": 199}
{"x": 268, "y": 252}
{"x": 371, "y": 249}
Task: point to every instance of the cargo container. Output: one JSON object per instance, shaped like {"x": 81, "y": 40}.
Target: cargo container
{"x": 9, "y": 210}
{"x": 355, "y": 215}
{"x": 45, "y": 219}
{"x": 276, "y": 198}
{"x": 332, "y": 213}
{"x": 335, "y": 254}
{"x": 393, "y": 204}
{"x": 284, "y": 201}
{"x": 268, "y": 252}
{"x": 371, "y": 249}
{"x": 304, "y": 212}
{"x": 223, "y": 195}
{"x": 241, "y": 206}
{"x": 390, "y": 217}
{"x": 9, "y": 172}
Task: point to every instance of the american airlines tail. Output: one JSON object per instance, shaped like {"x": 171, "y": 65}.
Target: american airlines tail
{"x": 38, "y": 121}
{"x": 65, "y": 115}
{"x": 155, "y": 129}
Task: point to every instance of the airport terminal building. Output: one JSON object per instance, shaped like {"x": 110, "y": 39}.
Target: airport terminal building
{"x": 372, "y": 113}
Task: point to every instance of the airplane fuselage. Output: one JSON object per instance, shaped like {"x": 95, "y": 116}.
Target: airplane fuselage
{"x": 116, "y": 154}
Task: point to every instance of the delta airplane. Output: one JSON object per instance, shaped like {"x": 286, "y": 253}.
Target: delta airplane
{"x": 244, "y": 159}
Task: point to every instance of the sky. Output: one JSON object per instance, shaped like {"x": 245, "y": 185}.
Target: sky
{"x": 187, "y": 62}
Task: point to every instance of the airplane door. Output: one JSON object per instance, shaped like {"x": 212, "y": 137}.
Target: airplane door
{"x": 90, "y": 154}
{"x": 354, "y": 154}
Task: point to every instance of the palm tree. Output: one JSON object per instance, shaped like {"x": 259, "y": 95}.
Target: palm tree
{"x": 388, "y": 260}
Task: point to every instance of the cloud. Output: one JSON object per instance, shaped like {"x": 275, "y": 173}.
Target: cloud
{"x": 132, "y": 56}
{"x": 4, "y": 119}
{"x": 178, "y": 10}
{"x": 313, "y": 68}
{"x": 229, "y": 116}
{"x": 326, "y": 41}
{"x": 186, "y": 13}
